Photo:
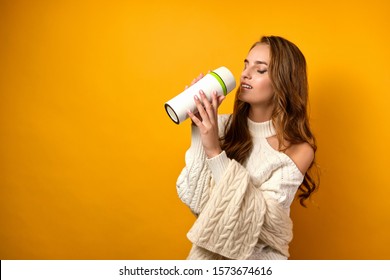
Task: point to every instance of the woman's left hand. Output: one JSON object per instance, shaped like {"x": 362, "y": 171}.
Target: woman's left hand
{"x": 208, "y": 125}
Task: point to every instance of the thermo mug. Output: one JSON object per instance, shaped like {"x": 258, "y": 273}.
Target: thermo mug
{"x": 220, "y": 80}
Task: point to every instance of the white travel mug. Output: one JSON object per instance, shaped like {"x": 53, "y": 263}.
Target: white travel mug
{"x": 220, "y": 80}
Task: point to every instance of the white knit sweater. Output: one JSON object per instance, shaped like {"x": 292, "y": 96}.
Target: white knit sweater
{"x": 243, "y": 211}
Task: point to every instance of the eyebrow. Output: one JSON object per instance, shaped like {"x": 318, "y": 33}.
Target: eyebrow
{"x": 256, "y": 62}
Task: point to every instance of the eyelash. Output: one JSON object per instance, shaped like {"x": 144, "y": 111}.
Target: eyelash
{"x": 258, "y": 71}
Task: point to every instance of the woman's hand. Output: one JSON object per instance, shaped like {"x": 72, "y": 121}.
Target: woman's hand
{"x": 207, "y": 121}
{"x": 195, "y": 80}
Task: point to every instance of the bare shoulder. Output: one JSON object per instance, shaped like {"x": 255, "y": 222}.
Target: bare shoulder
{"x": 302, "y": 154}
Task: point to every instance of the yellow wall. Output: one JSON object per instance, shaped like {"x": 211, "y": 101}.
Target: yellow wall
{"x": 89, "y": 158}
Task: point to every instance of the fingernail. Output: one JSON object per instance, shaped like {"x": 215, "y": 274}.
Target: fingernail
{"x": 196, "y": 97}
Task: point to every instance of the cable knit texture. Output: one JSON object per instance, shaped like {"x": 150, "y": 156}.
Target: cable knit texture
{"x": 243, "y": 210}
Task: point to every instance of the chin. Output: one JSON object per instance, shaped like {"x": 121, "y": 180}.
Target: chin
{"x": 242, "y": 97}
{"x": 246, "y": 97}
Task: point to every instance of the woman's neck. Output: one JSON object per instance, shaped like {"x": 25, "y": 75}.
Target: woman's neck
{"x": 260, "y": 113}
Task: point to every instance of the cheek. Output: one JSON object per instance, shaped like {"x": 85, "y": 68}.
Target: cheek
{"x": 265, "y": 86}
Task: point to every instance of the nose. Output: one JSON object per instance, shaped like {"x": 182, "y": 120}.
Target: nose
{"x": 246, "y": 74}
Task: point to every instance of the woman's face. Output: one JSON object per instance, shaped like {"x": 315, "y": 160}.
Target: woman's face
{"x": 256, "y": 87}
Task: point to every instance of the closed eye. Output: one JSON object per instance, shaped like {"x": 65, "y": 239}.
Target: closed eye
{"x": 261, "y": 71}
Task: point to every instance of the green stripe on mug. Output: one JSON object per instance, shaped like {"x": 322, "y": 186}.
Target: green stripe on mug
{"x": 215, "y": 75}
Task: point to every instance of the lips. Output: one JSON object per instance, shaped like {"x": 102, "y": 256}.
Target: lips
{"x": 246, "y": 86}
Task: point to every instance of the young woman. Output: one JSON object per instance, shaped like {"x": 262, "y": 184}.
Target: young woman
{"x": 243, "y": 170}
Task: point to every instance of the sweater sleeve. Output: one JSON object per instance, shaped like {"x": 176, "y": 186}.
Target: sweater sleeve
{"x": 235, "y": 216}
{"x": 195, "y": 176}
{"x": 194, "y": 181}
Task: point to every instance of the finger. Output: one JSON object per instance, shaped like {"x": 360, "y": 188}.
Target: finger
{"x": 204, "y": 99}
{"x": 207, "y": 105}
{"x": 214, "y": 100}
{"x": 211, "y": 107}
{"x": 194, "y": 118}
{"x": 200, "y": 76}
{"x": 202, "y": 112}
{"x": 193, "y": 81}
{"x": 215, "y": 104}
{"x": 221, "y": 98}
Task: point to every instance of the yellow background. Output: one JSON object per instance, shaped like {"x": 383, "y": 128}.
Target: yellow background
{"x": 89, "y": 158}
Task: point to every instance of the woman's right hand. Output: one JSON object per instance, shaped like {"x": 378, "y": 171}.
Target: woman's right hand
{"x": 194, "y": 81}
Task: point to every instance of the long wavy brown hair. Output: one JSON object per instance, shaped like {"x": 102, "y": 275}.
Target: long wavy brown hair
{"x": 287, "y": 72}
